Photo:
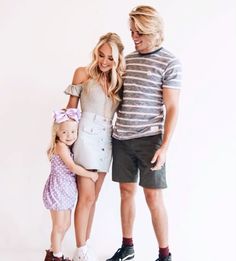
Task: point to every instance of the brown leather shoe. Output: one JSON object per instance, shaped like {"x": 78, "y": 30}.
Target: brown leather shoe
{"x": 49, "y": 255}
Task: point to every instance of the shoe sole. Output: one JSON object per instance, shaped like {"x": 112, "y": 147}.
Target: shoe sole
{"x": 128, "y": 258}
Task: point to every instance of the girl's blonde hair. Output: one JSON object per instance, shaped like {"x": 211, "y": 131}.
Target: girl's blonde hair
{"x": 115, "y": 75}
{"x": 148, "y": 21}
{"x": 54, "y": 139}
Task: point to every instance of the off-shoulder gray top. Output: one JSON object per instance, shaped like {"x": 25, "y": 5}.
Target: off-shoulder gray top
{"x": 93, "y": 99}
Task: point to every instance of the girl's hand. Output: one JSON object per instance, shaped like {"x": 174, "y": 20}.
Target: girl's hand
{"x": 94, "y": 176}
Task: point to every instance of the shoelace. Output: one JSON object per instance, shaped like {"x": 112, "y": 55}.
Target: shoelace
{"x": 117, "y": 253}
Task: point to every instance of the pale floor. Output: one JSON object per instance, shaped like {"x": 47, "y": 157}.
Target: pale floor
{"x": 39, "y": 256}
{"x": 31, "y": 256}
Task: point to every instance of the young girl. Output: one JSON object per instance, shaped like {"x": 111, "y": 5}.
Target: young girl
{"x": 60, "y": 190}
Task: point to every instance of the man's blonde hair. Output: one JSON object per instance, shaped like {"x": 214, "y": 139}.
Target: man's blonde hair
{"x": 147, "y": 20}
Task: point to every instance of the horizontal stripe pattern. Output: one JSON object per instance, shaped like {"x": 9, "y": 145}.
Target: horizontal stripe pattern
{"x": 142, "y": 109}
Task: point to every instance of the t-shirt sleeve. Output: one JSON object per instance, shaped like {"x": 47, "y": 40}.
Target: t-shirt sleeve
{"x": 172, "y": 75}
{"x": 74, "y": 90}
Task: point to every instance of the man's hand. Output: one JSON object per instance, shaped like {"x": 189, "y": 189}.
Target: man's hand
{"x": 159, "y": 158}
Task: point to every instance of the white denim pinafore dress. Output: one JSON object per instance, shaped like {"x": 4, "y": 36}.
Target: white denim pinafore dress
{"x": 93, "y": 147}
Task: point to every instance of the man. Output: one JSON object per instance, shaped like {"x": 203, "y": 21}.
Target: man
{"x": 145, "y": 123}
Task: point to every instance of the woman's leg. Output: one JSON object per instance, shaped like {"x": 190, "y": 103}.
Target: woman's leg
{"x": 98, "y": 186}
{"x": 86, "y": 198}
{"x": 88, "y": 192}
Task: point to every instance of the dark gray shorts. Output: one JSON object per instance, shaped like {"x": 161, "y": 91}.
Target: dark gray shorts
{"x": 132, "y": 160}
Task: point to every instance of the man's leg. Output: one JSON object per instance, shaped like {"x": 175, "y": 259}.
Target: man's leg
{"x": 155, "y": 202}
{"x": 127, "y": 207}
{"x": 124, "y": 171}
{"x": 127, "y": 210}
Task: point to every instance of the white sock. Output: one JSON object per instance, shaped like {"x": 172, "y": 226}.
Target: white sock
{"x": 83, "y": 248}
{"x": 59, "y": 254}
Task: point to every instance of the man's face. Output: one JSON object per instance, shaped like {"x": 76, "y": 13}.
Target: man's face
{"x": 144, "y": 43}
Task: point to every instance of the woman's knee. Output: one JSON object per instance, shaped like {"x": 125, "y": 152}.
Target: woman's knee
{"x": 88, "y": 199}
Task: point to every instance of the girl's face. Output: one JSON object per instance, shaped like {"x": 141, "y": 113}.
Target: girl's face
{"x": 67, "y": 132}
{"x": 144, "y": 43}
{"x": 105, "y": 59}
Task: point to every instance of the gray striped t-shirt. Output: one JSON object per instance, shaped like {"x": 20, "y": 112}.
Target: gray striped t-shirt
{"x": 141, "y": 112}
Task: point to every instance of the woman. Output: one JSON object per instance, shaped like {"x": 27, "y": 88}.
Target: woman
{"x": 97, "y": 87}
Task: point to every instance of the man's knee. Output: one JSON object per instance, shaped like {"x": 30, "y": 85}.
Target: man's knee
{"x": 127, "y": 190}
{"x": 154, "y": 198}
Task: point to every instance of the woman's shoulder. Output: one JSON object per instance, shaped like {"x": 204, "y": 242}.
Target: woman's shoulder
{"x": 80, "y": 75}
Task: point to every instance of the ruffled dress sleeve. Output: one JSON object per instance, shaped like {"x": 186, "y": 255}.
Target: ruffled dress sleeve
{"x": 74, "y": 89}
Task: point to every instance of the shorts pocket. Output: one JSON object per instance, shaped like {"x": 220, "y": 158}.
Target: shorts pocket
{"x": 91, "y": 130}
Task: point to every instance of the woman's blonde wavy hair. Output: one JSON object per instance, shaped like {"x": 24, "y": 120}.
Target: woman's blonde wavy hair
{"x": 115, "y": 75}
{"x": 147, "y": 20}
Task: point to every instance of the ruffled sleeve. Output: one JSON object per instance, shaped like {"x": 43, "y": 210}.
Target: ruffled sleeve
{"x": 74, "y": 89}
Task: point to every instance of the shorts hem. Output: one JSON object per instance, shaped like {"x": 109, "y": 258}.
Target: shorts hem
{"x": 123, "y": 181}
{"x": 153, "y": 187}
{"x": 59, "y": 209}
{"x": 141, "y": 185}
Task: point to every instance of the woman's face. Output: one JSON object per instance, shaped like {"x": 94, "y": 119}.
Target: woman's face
{"x": 144, "y": 43}
{"x": 105, "y": 59}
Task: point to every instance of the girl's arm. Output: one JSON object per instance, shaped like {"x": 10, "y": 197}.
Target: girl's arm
{"x": 63, "y": 151}
{"x": 80, "y": 76}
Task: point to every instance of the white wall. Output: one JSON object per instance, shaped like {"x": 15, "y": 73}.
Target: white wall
{"x": 42, "y": 42}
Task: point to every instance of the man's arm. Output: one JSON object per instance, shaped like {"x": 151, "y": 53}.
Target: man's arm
{"x": 171, "y": 101}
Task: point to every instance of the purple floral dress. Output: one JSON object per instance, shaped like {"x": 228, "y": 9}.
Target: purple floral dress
{"x": 60, "y": 191}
